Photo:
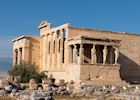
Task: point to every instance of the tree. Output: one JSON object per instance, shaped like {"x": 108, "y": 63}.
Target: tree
{"x": 26, "y": 72}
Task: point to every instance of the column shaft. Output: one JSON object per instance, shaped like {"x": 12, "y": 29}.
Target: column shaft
{"x": 55, "y": 53}
{"x": 44, "y": 53}
{"x": 18, "y": 56}
{"x": 70, "y": 54}
{"x": 14, "y": 57}
{"x": 61, "y": 48}
{"x": 51, "y": 41}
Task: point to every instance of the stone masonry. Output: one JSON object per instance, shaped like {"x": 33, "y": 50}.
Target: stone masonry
{"x": 80, "y": 54}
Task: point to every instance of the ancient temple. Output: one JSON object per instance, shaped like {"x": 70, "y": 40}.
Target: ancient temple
{"x": 80, "y": 54}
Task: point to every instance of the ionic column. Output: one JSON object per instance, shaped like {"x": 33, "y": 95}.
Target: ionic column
{"x": 116, "y": 54}
{"x": 104, "y": 54}
{"x": 74, "y": 54}
{"x": 61, "y": 47}
{"x": 50, "y": 63}
{"x": 93, "y": 55}
{"x": 70, "y": 54}
{"x": 81, "y": 54}
{"x": 45, "y": 53}
{"x": 18, "y": 58}
{"x": 58, "y": 53}
{"x": 15, "y": 57}
{"x": 55, "y": 53}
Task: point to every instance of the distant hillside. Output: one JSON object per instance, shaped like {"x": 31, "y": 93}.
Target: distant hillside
{"x": 5, "y": 64}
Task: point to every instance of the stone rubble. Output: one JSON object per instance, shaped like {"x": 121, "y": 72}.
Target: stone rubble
{"x": 51, "y": 90}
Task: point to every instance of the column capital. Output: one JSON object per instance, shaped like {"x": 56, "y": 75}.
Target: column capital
{"x": 16, "y": 50}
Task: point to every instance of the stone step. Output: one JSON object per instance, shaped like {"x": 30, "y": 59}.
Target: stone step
{"x": 106, "y": 82}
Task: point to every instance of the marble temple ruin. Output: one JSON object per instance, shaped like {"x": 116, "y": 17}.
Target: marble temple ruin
{"x": 81, "y": 54}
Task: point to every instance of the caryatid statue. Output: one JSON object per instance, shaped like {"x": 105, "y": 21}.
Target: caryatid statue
{"x": 104, "y": 54}
{"x": 93, "y": 55}
{"x": 116, "y": 54}
{"x": 81, "y": 54}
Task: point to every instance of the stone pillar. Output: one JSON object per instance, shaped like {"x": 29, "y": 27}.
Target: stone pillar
{"x": 61, "y": 48}
{"x": 93, "y": 55}
{"x": 58, "y": 53}
{"x": 70, "y": 54}
{"x": 74, "y": 54}
{"x": 15, "y": 56}
{"x": 44, "y": 53}
{"x": 55, "y": 53}
{"x": 81, "y": 54}
{"x": 41, "y": 52}
{"x": 51, "y": 48}
{"x": 104, "y": 54}
{"x": 18, "y": 56}
{"x": 116, "y": 55}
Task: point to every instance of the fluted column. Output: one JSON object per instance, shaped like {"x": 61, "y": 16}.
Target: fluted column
{"x": 18, "y": 56}
{"x": 116, "y": 55}
{"x": 58, "y": 53}
{"x": 55, "y": 53}
{"x": 70, "y": 54}
{"x": 93, "y": 55}
{"x": 74, "y": 54}
{"x": 61, "y": 48}
{"x": 50, "y": 66}
{"x": 15, "y": 56}
{"x": 45, "y": 53}
{"x": 104, "y": 54}
{"x": 81, "y": 54}
{"x": 53, "y": 46}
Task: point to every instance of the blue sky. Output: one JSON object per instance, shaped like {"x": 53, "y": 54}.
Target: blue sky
{"x": 18, "y": 17}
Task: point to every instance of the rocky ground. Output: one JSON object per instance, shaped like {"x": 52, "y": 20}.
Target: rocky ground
{"x": 54, "y": 92}
{"x": 48, "y": 90}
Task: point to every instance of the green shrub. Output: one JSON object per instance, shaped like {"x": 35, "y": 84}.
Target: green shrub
{"x": 26, "y": 72}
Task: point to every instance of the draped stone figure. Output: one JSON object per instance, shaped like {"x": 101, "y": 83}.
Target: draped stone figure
{"x": 74, "y": 54}
{"x": 104, "y": 54}
{"x": 81, "y": 54}
{"x": 116, "y": 54}
{"x": 93, "y": 55}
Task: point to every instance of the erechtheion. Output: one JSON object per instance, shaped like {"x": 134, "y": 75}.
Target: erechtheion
{"x": 81, "y": 54}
